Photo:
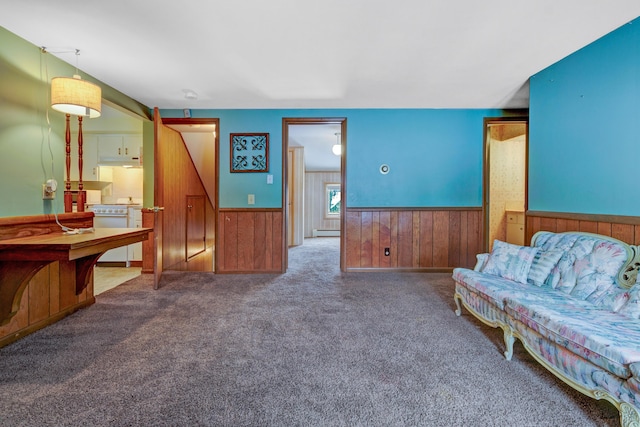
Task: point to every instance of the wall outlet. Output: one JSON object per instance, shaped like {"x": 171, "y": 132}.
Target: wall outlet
{"x": 251, "y": 199}
{"x": 387, "y": 251}
{"x": 47, "y": 194}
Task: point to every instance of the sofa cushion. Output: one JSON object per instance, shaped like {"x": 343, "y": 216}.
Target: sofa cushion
{"x": 598, "y": 271}
{"x": 631, "y": 307}
{"x": 589, "y": 267}
{"x": 606, "y": 339}
{"x": 543, "y": 263}
{"x": 481, "y": 261}
{"x": 510, "y": 261}
{"x": 546, "y": 241}
{"x": 613, "y": 299}
{"x": 497, "y": 289}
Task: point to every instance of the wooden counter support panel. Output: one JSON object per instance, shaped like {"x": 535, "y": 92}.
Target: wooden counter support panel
{"x": 13, "y": 282}
{"x": 84, "y": 266}
{"x": 41, "y": 293}
{"x": 21, "y": 258}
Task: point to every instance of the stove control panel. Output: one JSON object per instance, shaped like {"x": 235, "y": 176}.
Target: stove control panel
{"x": 109, "y": 210}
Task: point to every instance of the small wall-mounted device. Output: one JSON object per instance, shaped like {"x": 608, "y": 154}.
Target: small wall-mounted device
{"x": 49, "y": 189}
{"x": 251, "y": 199}
{"x": 384, "y": 169}
{"x": 387, "y": 251}
{"x": 187, "y": 113}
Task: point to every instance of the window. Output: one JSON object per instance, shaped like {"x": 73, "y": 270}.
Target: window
{"x": 332, "y": 200}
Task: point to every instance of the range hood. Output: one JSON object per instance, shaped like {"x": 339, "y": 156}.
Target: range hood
{"x": 90, "y": 185}
{"x": 131, "y": 162}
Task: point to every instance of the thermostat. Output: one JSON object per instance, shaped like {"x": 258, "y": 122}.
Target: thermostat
{"x": 384, "y": 169}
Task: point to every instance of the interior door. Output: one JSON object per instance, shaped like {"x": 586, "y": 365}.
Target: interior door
{"x": 158, "y": 197}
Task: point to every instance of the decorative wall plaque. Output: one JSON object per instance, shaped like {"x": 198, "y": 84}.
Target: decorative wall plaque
{"x": 249, "y": 152}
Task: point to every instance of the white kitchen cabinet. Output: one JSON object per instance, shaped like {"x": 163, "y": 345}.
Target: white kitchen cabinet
{"x": 116, "y": 147}
{"x": 90, "y": 170}
{"x": 515, "y": 227}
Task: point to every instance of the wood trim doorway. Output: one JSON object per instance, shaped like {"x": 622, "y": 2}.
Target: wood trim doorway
{"x": 213, "y": 198}
{"x": 342, "y": 121}
{"x": 503, "y": 129}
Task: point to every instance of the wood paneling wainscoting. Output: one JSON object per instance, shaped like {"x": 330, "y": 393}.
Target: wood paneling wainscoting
{"x": 250, "y": 241}
{"x": 419, "y": 239}
{"x": 625, "y": 228}
{"x": 50, "y": 294}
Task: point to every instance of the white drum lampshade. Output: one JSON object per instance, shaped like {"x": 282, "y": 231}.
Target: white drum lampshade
{"x": 76, "y": 96}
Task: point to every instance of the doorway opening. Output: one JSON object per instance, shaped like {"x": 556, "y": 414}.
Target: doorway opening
{"x": 201, "y": 139}
{"x": 315, "y": 179}
{"x": 505, "y": 180}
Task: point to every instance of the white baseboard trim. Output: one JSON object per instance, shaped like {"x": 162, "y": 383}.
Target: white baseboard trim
{"x": 325, "y": 233}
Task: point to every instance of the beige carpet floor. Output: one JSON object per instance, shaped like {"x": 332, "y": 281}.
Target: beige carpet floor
{"x": 312, "y": 347}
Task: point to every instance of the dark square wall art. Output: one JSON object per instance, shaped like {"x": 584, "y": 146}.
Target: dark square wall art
{"x": 249, "y": 152}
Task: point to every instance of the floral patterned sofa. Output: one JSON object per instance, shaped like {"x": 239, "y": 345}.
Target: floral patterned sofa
{"x": 572, "y": 300}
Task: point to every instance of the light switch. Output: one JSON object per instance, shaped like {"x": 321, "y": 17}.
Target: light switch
{"x": 269, "y": 179}
{"x": 251, "y": 199}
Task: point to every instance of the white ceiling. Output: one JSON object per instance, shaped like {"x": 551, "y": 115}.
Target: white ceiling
{"x": 317, "y": 140}
{"x": 317, "y": 54}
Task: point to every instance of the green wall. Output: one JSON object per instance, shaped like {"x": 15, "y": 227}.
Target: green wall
{"x": 30, "y": 153}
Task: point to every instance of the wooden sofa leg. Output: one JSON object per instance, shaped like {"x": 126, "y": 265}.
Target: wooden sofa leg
{"x": 456, "y": 298}
{"x": 508, "y": 341}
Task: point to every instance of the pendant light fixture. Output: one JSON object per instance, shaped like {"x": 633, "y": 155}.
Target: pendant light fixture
{"x": 74, "y": 96}
{"x": 337, "y": 147}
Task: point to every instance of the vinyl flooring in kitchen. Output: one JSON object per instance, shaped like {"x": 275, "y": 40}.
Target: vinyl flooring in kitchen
{"x": 105, "y": 278}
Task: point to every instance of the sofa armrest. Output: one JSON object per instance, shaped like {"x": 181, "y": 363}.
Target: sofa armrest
{"x": 482, "y": 260}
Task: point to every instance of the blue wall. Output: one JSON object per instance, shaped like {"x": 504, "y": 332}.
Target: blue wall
{"x": 584, "y": 130}
{"x": 435, "y": 156}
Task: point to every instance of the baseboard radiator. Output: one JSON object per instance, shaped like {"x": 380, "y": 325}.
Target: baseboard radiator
{"x": 325, "y": 233}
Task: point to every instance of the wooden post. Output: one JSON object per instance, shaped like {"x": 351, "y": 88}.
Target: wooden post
{"x": 82, "y": 195}
{"x": 68, "y": 199}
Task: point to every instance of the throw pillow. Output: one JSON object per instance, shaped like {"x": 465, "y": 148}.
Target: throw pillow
{"x": 510, "y": 261}
{"x": 631, "y": 308}
{"x": 481, "y": 261}
{"x": 543, "y": 263}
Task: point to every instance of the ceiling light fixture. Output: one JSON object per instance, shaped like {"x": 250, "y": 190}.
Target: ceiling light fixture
{"x": 76, "y": 96}
{"x": 190, "y": 94}
{"x": 337, "y": 147}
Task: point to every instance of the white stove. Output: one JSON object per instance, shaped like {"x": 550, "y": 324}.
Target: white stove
{"x": 110, "y": 211}
{"x": 112, "y": 216}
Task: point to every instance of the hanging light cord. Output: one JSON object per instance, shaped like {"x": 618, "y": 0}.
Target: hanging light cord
{"x": 65, "y": 229}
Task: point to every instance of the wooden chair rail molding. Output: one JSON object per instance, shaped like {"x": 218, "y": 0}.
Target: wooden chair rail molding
{"x": 625, "y": 228}
{"x": 419, "y": 239}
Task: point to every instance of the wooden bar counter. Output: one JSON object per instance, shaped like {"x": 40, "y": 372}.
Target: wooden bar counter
{"x": 56, "y": 269}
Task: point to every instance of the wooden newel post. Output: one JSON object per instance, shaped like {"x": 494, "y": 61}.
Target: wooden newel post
{"x": 82, "y": 195}
{"x": 68, "y": 198}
